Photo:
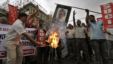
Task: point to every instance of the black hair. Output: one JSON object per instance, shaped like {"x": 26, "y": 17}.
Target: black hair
{"x": 93, "y": 18}
{"x": 79, "y": 20}
{"x": 22, "y": 15}
{"x": 92, "y": 15}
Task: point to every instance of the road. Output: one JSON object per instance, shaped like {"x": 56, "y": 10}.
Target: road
{"x": 30, "y": 60}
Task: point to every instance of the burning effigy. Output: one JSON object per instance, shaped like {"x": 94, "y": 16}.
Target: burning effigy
{"x": 59, "y": 28}
{"x": 54, "y": 36}
{"x": 53, "y": 39}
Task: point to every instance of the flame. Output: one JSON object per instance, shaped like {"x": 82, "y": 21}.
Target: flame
{"x": 53, "y": 39}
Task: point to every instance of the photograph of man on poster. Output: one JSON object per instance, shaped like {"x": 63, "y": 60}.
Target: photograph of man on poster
{"x": 62, "y": 13}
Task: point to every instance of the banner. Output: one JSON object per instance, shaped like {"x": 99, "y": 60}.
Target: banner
{"x": 107, "y": 15}
{"x": 12, "y": 14}
{"x": 28, "y": 49}
{"x": 62, "y": 13}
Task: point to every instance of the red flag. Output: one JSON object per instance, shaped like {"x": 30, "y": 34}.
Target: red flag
{"x": 12, "y": 15}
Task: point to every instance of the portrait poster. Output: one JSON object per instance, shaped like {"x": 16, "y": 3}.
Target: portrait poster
{"x": 62, "y": 13}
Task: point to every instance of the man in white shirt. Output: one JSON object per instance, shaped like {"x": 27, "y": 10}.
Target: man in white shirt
{"x": 70, "y": 40}
{"x": 12, "y": 40}
{"x": 80, "y": 41}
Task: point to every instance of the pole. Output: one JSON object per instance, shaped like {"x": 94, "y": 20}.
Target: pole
{"x": 80, "y": 8}
{"x": 84, "y": 9}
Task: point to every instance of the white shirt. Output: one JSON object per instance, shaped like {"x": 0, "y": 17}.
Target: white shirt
{"x": 15, "y": 32}
{"x": 80, "y": 32}
{"x": 70, "y": 33}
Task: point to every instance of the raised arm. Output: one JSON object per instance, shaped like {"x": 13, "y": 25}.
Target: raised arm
{"x": 87, "y": 17}
{"x": 74, "y": 18}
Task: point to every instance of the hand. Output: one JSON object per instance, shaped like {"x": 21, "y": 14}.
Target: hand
{"x": 66, "y": 32}
{"x": 87, "y": 11}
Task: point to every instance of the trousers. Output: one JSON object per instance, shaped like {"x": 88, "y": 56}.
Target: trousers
{"x": 14, "y": 53}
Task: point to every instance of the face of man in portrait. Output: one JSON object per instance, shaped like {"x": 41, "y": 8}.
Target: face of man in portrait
{"x": 61, "y": 15}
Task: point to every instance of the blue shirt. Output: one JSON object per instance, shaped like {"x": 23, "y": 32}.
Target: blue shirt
{"x": 96, "y": 31}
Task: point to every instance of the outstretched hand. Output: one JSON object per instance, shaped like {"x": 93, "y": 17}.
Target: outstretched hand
{"x": 87, "y": 11}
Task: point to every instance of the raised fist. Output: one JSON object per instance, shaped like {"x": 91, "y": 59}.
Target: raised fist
{"x": 87, "y": 11}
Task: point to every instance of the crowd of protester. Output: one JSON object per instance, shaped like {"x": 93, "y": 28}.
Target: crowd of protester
{"x": 78, "y": 41}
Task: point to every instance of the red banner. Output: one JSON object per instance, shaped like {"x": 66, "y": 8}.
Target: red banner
{"x": 107, "y": 15}
{"x": 12, "y": 15}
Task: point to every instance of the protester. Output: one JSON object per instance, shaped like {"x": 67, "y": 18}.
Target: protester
{"x": 80, "y": 41}
{"x": 74, "y": 43}
{"x": 90, "y": 53}
{"x": 70, "y": 40}
{"x": 12, "y": 40}
{"x": 97, "y": 37}
{"x": 81, "y": 44}
{"x": 42, "y": 45}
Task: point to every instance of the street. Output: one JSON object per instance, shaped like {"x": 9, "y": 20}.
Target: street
{"x": 29, "y": 60}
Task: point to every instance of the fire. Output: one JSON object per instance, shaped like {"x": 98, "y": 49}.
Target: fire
{"x": 53, "y": 39}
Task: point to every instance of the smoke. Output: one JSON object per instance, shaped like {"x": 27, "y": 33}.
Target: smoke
{"x": 59, "y": 27}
